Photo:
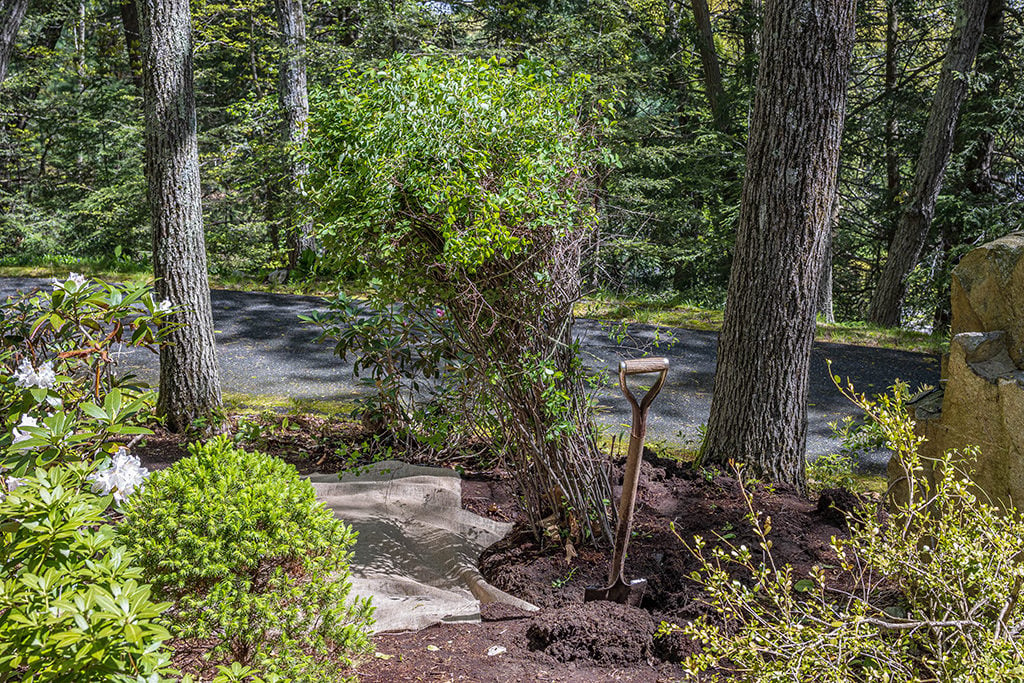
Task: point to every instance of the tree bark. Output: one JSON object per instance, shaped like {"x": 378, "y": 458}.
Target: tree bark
{"x": 759, "y": 405}
{"x": 892, "y": 161}
{"x": 132, "y": 40}
{"x": 916, "y": 218}
{"x": 12, "y": 13}
{"x": 826, "y": 305}
{"x": 709, "y": 60}
{"x": 189, "y": 377}
{"x": 294, "y": 98}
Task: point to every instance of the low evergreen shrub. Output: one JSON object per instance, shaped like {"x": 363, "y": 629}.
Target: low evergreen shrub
{"x": 250, "y": 558}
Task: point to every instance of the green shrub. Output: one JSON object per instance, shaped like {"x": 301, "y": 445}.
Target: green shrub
{"x": 250, "y": 558}
{"x": 930, "y": 594}
{"x": 831, "y": 471}
{"x": 71, "y": 604}
{"x": 61, "y": 397}
{"x": 467, "y": 186}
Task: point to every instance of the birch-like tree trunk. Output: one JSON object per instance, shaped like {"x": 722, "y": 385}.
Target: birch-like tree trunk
{"x": 189, "y": 377}
{"x": 12, "y": 13}
{"x": 294, "y": 97}
{"x": 916, "y": 217}
{"x": 759, "y": 405}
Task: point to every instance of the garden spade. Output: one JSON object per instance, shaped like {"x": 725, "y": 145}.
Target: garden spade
{"x": 619, "y": 590}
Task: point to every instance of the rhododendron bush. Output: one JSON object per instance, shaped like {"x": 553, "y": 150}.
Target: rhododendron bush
{"x": 72, "y": 603}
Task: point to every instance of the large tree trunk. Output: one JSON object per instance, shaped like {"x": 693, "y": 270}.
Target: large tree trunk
{"x": 759, "y": 406}
{"x": 189, "y": 378}
{"x": 295, "y": 105}
{"x": 12, "y": 13}
{"x": 709, "y": 60}
{"x": 916, "y": 217}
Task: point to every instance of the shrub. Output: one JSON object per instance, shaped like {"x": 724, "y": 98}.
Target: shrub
{"x": 831, "y": 471}
{"x": 71, "y": 604}
{"x": 931, "y": 593}
{"x": 60, "y": 395}
{"x": 469, "y": 185}
{"x": 239, "y": 542}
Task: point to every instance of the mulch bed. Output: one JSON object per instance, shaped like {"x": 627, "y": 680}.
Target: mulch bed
{"x": 568, "y": 640}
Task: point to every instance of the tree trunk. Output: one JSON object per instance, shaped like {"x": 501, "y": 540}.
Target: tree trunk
{"x": 916, "y": 217}
{"x": 295, "y": 106}
{"x": 980, "y": 105}
{"x": 759, "y": 405}
{"x": 826, "y": 306}
{"x": 11, "y": 15}
{"x": 132, "y": 40}
{"x": 189, "y": 377}
{"x": 892, "y": 161}
{"x": 709, "y": 59}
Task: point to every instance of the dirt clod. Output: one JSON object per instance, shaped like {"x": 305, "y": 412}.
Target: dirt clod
{"x": 602, "y": 632}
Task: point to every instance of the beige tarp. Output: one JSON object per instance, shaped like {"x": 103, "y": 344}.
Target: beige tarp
{"x": 417, "y": 549}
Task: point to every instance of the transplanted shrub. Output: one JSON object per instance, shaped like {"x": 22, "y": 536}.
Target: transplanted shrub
{"x": 930, "y": 594}
{"x": 467, "y": 186}
{"x": 250, "y": 559}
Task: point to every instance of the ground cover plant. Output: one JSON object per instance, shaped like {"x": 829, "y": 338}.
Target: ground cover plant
{"x": 251, "y": 561}
{"x": 461, "y": 191}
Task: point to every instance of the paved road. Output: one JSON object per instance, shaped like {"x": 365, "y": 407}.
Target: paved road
{"x": 265, "y": 350}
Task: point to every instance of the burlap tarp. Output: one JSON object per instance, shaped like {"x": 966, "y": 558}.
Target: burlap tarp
{"x": 417, "y": 550}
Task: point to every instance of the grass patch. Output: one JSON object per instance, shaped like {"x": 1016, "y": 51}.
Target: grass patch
{"x": 871, "y": 483}
{"x": 693, "y": 317}
{"x": 136, "y": 273}
{"x": 254, "y": 404}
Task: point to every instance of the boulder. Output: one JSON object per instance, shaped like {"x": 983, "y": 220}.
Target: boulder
{"x": 981, "y": 402}
{"x": 984, "y": 406}
{"x": 987, "y": 292}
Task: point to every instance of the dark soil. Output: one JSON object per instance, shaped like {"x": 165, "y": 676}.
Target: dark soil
{"x": 568, "y": 640}
{"x": 601, "y": 641}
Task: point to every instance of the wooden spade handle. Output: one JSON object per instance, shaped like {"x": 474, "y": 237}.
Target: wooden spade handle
{"x": 640, "y": 366}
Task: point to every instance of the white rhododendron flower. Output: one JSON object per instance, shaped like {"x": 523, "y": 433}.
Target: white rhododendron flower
{"x": 120, "y": 477}
{"x": 29, "y": 377}
{"x": 26, "y": 421}
{"x": 74, "y": 282}
{"x": 12, "y": 483}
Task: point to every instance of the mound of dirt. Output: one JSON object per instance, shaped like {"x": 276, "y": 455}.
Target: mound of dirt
{"x": 601, "y": 632}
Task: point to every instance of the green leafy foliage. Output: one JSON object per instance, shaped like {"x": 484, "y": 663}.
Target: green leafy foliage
{"x": 467, "y": 186}
{"x": 71, "y": 603}
{"x": 57, "y": 368}
{"x": 72, "y": 606}
{"x": 830, "y": 471}
{"x": 447, "y": 163}
{"x": 239, "y": 542}
{"x": 929, "y": 593}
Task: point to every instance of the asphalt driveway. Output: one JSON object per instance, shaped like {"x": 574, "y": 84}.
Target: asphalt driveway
{"x": 265, "y": 350}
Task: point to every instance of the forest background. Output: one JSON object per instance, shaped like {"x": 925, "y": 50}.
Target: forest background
{"x": 71, "y": 132}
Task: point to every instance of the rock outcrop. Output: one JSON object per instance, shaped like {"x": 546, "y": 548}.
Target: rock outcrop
{"x": 981, "y": 402}
{"x": 987, "y": 292}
